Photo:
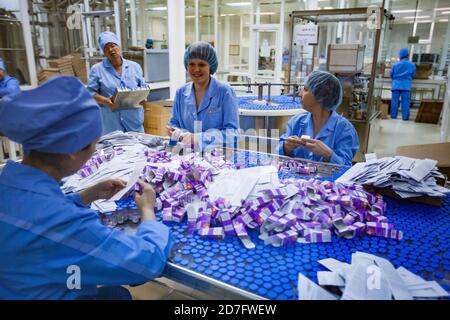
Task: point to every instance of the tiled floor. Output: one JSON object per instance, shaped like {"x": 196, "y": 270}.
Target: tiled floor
{"x": 391, "y": 134}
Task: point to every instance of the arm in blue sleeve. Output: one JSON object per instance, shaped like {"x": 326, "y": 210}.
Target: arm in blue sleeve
{"x": 93, "y": 82}
{"x": 288, "y": 133}
{"x": 76, "y": 198}
{"x": 176, "y": 113}
{"x": 12, "y": 86}
{"x": 108, "y": 256}
{"x": 346, "y": 147}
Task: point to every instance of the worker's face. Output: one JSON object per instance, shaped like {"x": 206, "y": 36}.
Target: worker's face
{"x": 78, "y": 159}
{"x": 308, "y": 100}
{"x": 112, "y": 51}
{"x": 198, "y": 70}
{"x": 2, "y": 74}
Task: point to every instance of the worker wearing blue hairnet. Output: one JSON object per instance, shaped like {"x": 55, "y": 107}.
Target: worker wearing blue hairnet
{"x": 53, "y": 246}
{"x": 112, "y": 73}
{"x": 8, "y": 84}
{"x": 206, "y": 110}
{"x": 402, "y": 74}
{"x": 320, "y": 134}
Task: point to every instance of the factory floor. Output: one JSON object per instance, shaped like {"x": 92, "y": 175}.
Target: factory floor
{"x": 390, "y": 134}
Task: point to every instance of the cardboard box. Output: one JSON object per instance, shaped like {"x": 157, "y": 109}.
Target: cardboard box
{"x": 384, "y": 109}
{"x": 156, "y": 117}
{"x": 436, "y": 151}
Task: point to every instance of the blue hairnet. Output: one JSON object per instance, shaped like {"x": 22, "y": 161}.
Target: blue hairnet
{"x": 404, "y": 53}
{"x": 60, "y": 116}
{"x": 204, "y": 51}
{"x": 326, "y": 89}
{"x": 2, "y": 64}
{"x": 106, "y": 37}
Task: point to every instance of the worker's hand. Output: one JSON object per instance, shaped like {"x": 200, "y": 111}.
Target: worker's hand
{"x": 319, "y": 148}
{"x": 292, "y": 143}
{"x": 170, "y": 130}
{"x": 145, "y": 201}
{"x": 188, "y": 139}
{"x": 102, "y": 190}
{"x": 109, "y": 103}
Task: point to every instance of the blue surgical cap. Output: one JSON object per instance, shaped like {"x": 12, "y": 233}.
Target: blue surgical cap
{"x": 326, "y": 89}
{"x": 404, "y": 53}
{"x": 106, "y": 37}
{"x": 60, "y": 116}
{"x": 2, "y": 64}
{"x": 204, "y": 51}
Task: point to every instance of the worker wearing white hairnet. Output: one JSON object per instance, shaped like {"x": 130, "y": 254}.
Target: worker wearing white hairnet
{"x": 320, "y": 134}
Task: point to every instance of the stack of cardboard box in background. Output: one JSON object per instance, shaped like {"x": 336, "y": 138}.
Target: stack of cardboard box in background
{"x": 72, "y": 65}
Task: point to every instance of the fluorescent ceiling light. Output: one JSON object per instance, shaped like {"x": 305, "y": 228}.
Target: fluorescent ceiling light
{"x": 406, "y": 11}
{"x": 441, "y": 9}
{"x": 446, "y": 12}
{"x": 238, "y": 4}
{"x": 190, "y": 17}
{"x": 443, "y": 20}
{"x": 158, "y": 9}
{"x": 267, "y": 13}
{"x": 418, "y": 17}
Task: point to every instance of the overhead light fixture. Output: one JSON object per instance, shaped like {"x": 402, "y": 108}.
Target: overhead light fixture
{"x": 238, "y": 4}
{"x": 407, "y": 11}
{"x": 190, "y": 17}
{"x": 441, "y": 9}
{"x": 158, "y": 9}
{"x": 443, "y": 20}
{"x": 418, "y": 17}
{"x": 446, "y": 12}
{"x": 267, "y": 13}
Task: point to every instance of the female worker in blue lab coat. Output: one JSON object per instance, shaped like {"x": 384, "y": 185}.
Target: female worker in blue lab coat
{"x": 115, "y": 72}
{"x": 8, "y": 85}
{"x": 332, "y": 138}
{"x": 205, "y": 109}
{"x": 53, "y": 246}
{"x": 402, "y": 74}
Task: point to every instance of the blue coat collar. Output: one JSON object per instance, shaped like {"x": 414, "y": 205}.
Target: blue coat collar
{"x": 27, "y": 178}
{"x": 327, "y": 129}
{"x": 190, "y": 94}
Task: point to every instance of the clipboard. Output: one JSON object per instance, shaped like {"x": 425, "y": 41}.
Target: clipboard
{"x": 130, "y": 98}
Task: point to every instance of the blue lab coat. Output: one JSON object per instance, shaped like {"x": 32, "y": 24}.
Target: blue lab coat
{"x": 218, "y": 110}
{"x": 43, "y": 233}
{"x": 104, "y": 79}
{"x": 338, "y": 134}
{"x": 9, "y": 85}
{"x": 402, "y": 74}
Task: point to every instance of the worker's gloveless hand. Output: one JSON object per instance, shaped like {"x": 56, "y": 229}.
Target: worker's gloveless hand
{"x": 109, "y": 103}
{"x": 102, "y": 190}
{"x": 292, "y": 143}
{"x": 188, "y": 139}
{"x": 145, "y": 201}
{"x": 319, "y": 148}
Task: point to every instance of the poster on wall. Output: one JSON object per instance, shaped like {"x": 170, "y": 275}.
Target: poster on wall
{"x": 306, "y": 34}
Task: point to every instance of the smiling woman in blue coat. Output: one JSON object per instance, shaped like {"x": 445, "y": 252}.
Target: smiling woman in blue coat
{"x": 320, "y": 134}
{"x": 206, "y": 110}
{"x": 53, "y": 246}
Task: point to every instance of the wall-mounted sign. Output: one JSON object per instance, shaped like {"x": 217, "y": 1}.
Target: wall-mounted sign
{"x": 306, "y": 34}
{"x": 412, "y": 40}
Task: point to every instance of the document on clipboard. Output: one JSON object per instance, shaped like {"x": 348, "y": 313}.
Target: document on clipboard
{"x": 130, "y": 98}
